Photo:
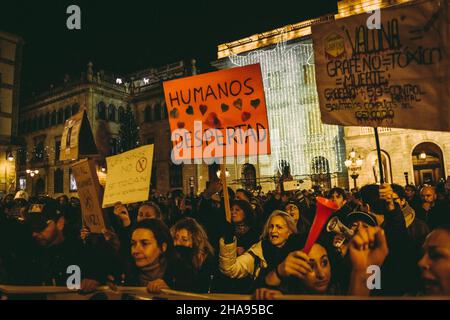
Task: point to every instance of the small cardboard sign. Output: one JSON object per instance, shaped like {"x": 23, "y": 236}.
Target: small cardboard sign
{"x": 129, "y": 175}
{"x": 76, "y": 129}
{"x": 291, "y": 185}
{"x": 89, "y": 192}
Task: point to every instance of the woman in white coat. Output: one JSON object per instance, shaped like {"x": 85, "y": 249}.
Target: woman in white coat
{"x": 267, "y": 251}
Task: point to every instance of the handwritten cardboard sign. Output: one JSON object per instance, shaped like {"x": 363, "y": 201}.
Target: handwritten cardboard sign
{"x": 129, "y": 175}
{"x": 89, "y": 192}
{"x": 76, "y": 129}
{"x": 224, "y": 108}
{"x": 394, "y": 76}
{"x": 291, "y": 185}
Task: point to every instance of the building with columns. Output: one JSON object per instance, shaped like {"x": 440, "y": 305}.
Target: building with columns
{"x": 104, "y": 97}
{"x": 317, "y": 153}
{"x": 10, "y": 67}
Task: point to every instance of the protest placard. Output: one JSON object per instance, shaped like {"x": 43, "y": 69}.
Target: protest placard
{"x": 392, "y": 76}
{"x": 218, "y": 113}
{"x": 89, "y": 192}
{"x": 129, "y": 175}
{"x": 76, "y": 129}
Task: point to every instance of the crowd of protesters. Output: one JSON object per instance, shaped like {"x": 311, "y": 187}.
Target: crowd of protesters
{"x": 183, "y": 242}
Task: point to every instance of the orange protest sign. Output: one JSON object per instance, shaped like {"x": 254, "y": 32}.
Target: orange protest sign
{"x": 218, "y": 114}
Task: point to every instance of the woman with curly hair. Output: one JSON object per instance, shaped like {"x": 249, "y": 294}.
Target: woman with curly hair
{"x": 194, "y": 254}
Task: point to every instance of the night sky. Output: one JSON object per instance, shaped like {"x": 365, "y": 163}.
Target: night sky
{"x": 126, "y": 36}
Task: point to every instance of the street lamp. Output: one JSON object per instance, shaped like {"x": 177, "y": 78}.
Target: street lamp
{"x": 32, "y": 173}
{"x": 10, "y": 156}
{"x": 354, "y": 164}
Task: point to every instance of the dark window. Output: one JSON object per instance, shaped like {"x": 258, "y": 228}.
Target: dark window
{"x": 41, "y": 122}
{"x": 39, "y": 152}
{"x": 114, "y": 146}
{"x": 67, "y": 112}
{"x": 165, "y": 112}
{"x": 176, "y": 176}
{"x": 101, "y": 111}
{"x": 148, "y": 114}
{"x": 35, "y": 123}
{"x": 60, "y": 116}
{"x": 158, "y": 112}
{"x": 75, "y": 108}
{"x": 40, "y": 187}
{"x": 22, "y": 154}
{"x": 54, "y": 118}
{"x": 57, "y": 150}
{"x": 23, "y": 126}
{"x": 47, "y": 120}
{"x": 121, "y": 113}
{"x": 58, "y": 181}
{"x": 111, "y": 113}
{"x": 29, "y": 125}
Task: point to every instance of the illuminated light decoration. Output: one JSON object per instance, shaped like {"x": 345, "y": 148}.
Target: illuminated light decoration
{"x": 297, "y": 134}
{"x": 118, "y": 81}
{"x": 146, "y": 80}
{"x": 219, "y": 172}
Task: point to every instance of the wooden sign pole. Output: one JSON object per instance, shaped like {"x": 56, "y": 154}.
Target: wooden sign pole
{"x": 380, "y": 163}
{"x": 226, "y": 196}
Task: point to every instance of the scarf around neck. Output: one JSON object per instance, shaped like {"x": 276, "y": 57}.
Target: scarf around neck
{"x": 153, "y": 271}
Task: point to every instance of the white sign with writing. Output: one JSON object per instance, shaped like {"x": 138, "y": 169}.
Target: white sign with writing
{"x": 129, "y": 175}
{"x": 394, "y": 76}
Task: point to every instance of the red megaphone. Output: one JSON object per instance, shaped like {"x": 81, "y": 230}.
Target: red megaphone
{"x": 325, "y": 207}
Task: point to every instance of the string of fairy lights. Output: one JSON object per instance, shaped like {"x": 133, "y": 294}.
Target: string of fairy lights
{"x": 297, "y": 134}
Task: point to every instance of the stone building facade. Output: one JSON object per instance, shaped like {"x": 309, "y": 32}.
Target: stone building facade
{"x": 105, "y": 98}
{"x": 10, "y": 67}
{"x": 408, "y": 156}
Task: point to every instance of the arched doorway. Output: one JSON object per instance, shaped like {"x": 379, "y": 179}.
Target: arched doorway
{"x": 428, "y": 163}
{"x": 385, "y": 164}
{"x": 249, "y": 176}
{"x": 320, "y": 169}
{"x": 40, "y": 187}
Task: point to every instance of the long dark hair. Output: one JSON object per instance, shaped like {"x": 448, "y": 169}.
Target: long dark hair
{"x": 248, "y": 211}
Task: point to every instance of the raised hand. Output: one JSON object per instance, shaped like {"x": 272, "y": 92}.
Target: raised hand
{"x": 368, "y": 247}
{"x": 296, "y": 264}
{"x": 121, "y": 211}
{"x": 386, "y": 194}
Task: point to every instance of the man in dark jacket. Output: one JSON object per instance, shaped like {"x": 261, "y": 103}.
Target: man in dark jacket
{"x": 434, "y": 212}
{"x": 417, "y": 229}
{"x": 399, "y": 272}
{"x": 53, "y": 252}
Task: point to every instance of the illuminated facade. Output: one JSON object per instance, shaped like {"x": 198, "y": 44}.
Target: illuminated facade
{"x": 10, "y": 65}
{"x": 313, "y": 151}
{"x": 297, "y": 135}
{"x": 104, "y": 96}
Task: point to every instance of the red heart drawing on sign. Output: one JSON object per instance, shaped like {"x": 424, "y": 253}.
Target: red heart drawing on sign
{"x": 203, "y": 109}
{"x": 245, "y": 116}
{"x": 213, "y": 121}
